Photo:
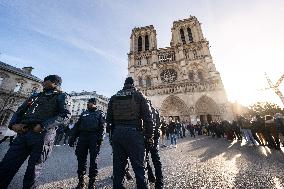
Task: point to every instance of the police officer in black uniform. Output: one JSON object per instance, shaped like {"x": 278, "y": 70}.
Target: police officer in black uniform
{"x": 154, "y": 151}
{"x": 126, "y": 110}
{"x": 35, "y": 121}
{"x": 89, "y": 128}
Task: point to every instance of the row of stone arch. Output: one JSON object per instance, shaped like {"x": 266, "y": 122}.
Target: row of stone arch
{"x": 174, "y": 106}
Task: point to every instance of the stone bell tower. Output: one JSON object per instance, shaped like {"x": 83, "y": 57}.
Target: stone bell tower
{"x": 180, "y": 80}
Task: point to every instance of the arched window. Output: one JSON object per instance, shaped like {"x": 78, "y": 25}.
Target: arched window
{"x": 189, "y": 35}
{"x": 191, "y": 76}
{"x": 194, "y": 52}
{"x": 148, "y": 81}
{"x": 146, "y": 43}
{"x": 139, "y": 61}
{"x": 139, "y": 43}
{"x": 182, "y": 36}
{"x": 140, "y": 81}
{"x": 148, "y": 60}
{"x": 200, "y": 76}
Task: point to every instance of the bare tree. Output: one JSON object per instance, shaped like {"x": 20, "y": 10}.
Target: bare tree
{"x": 276, "y": 86}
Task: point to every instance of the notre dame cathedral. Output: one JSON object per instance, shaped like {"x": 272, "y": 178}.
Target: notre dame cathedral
{"x": 180, "y": 80}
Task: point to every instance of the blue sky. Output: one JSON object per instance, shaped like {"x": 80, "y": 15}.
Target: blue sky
{"x": 87, "y": 41}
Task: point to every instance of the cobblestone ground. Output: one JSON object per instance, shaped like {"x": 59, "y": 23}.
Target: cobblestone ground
{"x": 201, "y": 162}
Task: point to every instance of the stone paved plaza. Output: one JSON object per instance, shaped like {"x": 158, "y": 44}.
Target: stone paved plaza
{"x": 203, "y": 162}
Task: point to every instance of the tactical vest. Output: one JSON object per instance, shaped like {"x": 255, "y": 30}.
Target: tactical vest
{"x": 125, "y": 108}
{"x": 40, "y": 108}
{"x": 90, "y": 121}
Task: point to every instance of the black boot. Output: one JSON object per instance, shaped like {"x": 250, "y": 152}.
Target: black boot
{"x": 81, "y": 183}
{"x": 91, "y": 184}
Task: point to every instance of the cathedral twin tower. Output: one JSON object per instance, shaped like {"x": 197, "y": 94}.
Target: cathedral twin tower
{"x": 180, "y": 80}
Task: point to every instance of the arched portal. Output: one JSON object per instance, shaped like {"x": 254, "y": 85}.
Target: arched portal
{"x": 206, "y": 109}
{"x": 176, "y": 107}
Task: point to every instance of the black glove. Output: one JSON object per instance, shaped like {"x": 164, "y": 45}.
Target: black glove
{"x": 71, "y": 142}
{"x": 149, "y": 142}
{"x": 99, "y": 143}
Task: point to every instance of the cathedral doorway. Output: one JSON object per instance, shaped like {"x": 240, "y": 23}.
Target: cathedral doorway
{"x": 207, "y": 109}
{"x": 175, "y": 107}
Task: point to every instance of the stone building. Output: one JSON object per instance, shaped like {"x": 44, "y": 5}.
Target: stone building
{"x": 79, "y": 102}
{"x": 16, "y": 85}
{"x": 180, "y": 80}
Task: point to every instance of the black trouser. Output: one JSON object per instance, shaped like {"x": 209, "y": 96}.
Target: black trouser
{"x": 36, "y": 145}
{"x": 128, "y": 142}
{"x": 87, "y": 143}
{"x": 157, "y": 164}
{"x": 58, "y": 138}
{"x": 66, "y": 137}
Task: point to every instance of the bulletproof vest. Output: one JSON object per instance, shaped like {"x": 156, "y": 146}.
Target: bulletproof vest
{"x": 41, "y": 107}
{"x": 90, "y": 121}
{"x": 125, "y": 107}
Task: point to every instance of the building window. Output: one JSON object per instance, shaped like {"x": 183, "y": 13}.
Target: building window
{"x": 182, "y": 36}
{"x": 18, "y": 87}
{"x": 194, "y": 52}
{"x": 191, "y": 76}
{"x": 139, "y": 43}
{"x": 148, "y": 81}
{"x": 148, "y": 60}
{"x": 1, "y": 80}
{"x": 4, "y": 118}
{"x": 140, "y": 81}
{"x": 189, "y": 35}
{"x": 138, "y": 61}
{"x": 186, "y": 54}
{"x": 146, "y": 43}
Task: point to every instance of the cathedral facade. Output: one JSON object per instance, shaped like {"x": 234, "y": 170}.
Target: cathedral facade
{"x": 180, "y": 80}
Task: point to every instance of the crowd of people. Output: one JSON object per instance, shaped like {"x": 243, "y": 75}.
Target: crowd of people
{"x": 263, "y": 131}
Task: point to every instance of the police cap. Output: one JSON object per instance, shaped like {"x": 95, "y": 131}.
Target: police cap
{"x": 129, "y": 81}
{"x": 54, "y": 78}
{"x": 92, "y": 100}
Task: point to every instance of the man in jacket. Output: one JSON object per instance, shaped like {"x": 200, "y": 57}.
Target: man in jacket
{"x": 89, "y": 128}
{"x": 126, "y": 110}
{"x": 35, "y": 122}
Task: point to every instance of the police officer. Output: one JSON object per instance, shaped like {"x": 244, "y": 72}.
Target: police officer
{"x": 89, "y": 128}
{"x": 154, "y": 151}
{"x": 126, "y": 110}
{"x": 35, "y": 121}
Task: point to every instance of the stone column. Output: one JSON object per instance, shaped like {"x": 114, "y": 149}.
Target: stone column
{"x": 143, "y": 42}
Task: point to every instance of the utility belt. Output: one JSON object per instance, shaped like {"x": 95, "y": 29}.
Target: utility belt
{"x": 30, "y": 124}
{"x": 88, "y": 132}
{"x": 134, "y": 122}
{"x": 129, "y": 127}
